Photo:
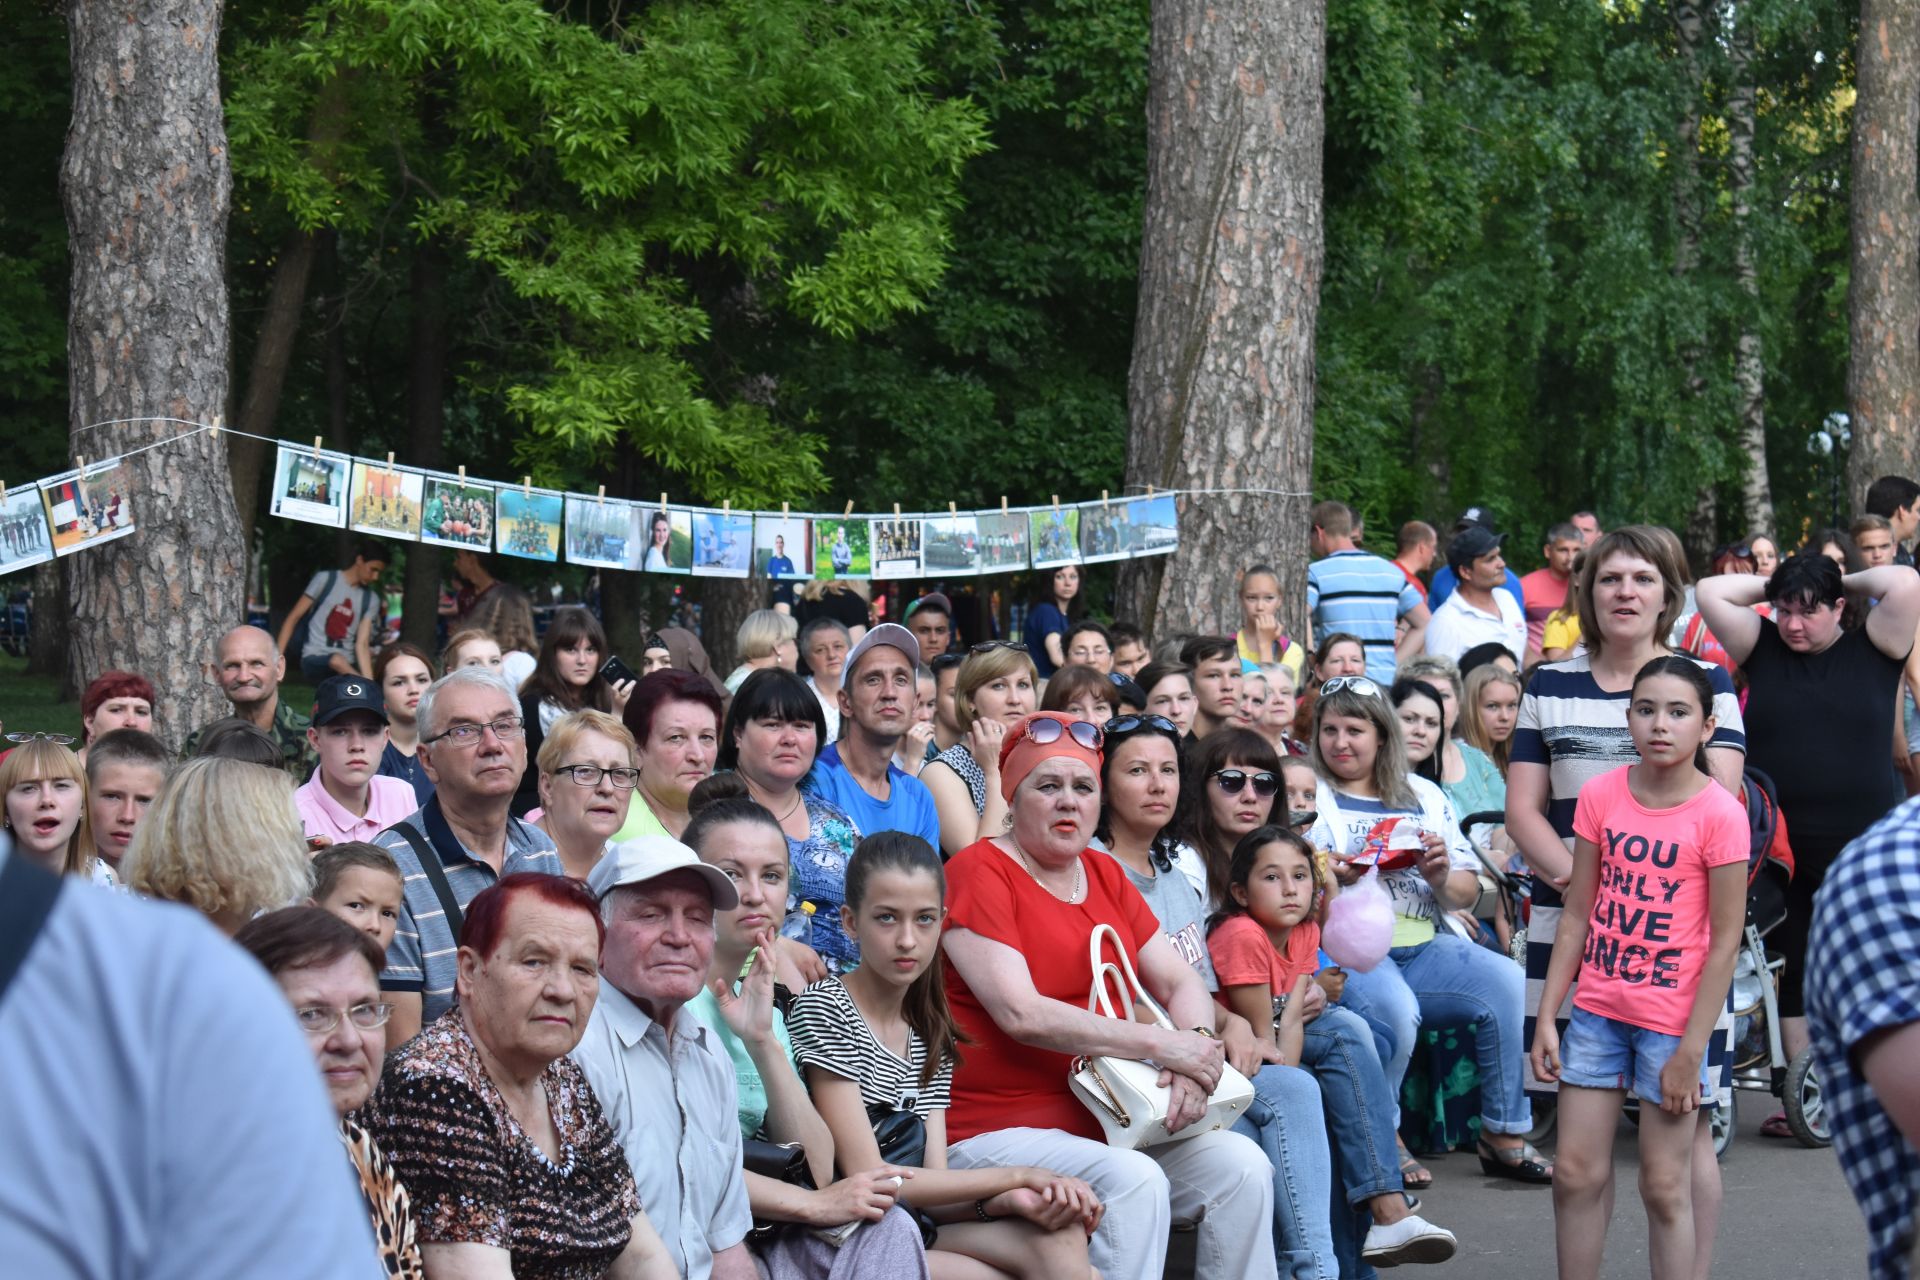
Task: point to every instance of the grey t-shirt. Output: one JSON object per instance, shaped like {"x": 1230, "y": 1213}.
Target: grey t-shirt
{"x": 336, "y": 619}
{"x": 1182, "y": 915}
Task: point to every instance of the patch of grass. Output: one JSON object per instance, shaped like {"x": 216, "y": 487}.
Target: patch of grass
{"x": 31, "y": 704}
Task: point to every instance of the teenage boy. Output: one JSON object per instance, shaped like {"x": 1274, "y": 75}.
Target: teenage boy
{"x": 1215, "y": 663}
{"x": 877, "y": 692}
{"x": 1129, "y": 648}
{"x": 343, "y": 604}
{"x": 346, "y": 799}
{"x": 1545, "y": 589}
{"x": 1898, "y": 499}
{"x": 125, "y": 770}
{"x": 930, "y": 618}
{"x": 1480, "y": 610}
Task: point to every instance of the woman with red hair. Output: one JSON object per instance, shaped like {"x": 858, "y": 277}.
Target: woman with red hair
{"x": 115, "y": 700}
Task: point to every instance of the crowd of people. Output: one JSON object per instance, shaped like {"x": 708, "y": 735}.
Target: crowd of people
{"x": 809, "y": 971}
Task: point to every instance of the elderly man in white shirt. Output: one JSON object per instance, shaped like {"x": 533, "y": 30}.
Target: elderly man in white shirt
{"x": 1480, "y": 609}
{"x": 640, "y": 1053}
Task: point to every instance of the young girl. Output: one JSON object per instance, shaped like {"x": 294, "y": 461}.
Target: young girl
{"x": 1300, "y": 782}
{"x": 1265, "y": 947}
{"x": 881, "y": 1039}
{"x": 1261, "y": 639}
{"x": 565, "y": 679}
{"x": 1653, "y": 917}
{"x": 45, "y": 791}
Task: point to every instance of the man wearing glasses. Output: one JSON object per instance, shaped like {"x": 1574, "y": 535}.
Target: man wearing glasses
{"x": 474, "y": 747}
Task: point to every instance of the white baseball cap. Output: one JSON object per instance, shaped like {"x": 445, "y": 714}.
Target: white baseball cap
{"x": 645, "y": 858}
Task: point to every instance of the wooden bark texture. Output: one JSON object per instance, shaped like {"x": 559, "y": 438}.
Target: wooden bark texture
{"x": 1221, "y": 387}
{"x": 1749, "y": 365}
{"x": 1883, "y": 294}
{"x": 146, "y": 184}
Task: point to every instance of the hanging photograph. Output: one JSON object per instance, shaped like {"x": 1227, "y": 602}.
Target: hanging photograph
{"x": 722, "y": 543}
{"x": 896, "y": 548}
{"x": 951, "y": 546}
{"x": 311, "y": 486}
{"x": 665, "y": 541}
{"x": 23, "y": 531}
{"x": 457, "y": 513}
{"x": 780, "y": 548}
{"x": 1104, "y": 532}
{"x": 1003, "y": 542}
{"x": 85, "y": 510}
{"x": 527, "y": 522}
{"x": 385, "y": 501}
{"x": 1154, "y": 525}
{"x": 1056, "y": 536}
{"x": 841, "y": 549}
{"x": 601, "y": 532}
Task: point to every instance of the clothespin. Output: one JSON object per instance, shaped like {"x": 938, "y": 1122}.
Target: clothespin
{"x": 463, "y": 475}
{"x": 3, "y": 490}
{"x": 783, "y": 510}
{"x": 726, "y": 508}
{"x": 1103, "y": 499}
{"x": 1149, "y": 491}
{"x": 213, "y": 430}
{"x": 849, "y": 507}
{"x": 389, "y": 462}
{"x": 1003, "y": 504}
{"x": 81, "y": 462}
{"x": 953, "y": 509}
{"x": 663, "y": 502}
{"x": 896, "y": 511}
{"x": 316, "y": 448}
{"x": 1056, "y": 504}
{"x": 602, "y": 498}
{"x": 526, "y": 488}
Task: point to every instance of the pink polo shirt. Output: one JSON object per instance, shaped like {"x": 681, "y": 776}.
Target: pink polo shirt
{"x": 388, "y": 801}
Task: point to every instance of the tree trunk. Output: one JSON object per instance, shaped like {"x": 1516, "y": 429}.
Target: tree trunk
{"x": 1749, "y": 370}
{"x": 1690, "y": 38}
{"x": 146, "y": 184}
{"x": 426, "y": 424}
{"x": 724, "y": 605}
{"x": 47, "y": 632}
{"x": 1883, "y": 293}
{"x": 1221, "y": 387}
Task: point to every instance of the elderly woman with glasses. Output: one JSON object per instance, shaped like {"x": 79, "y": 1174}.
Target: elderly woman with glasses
{"x": 1021, "y": 906}
{"x": 995, "y": 686}
{"x": 330, "y": 973}
{"x": 587, "y": 776}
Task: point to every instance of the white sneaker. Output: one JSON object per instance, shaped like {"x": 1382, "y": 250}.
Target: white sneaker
{"x": 1412, "y": 1239}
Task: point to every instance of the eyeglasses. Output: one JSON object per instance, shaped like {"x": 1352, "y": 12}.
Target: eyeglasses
{"x": 57, "y": 739}
{"x": 1124, "y": 725}
{"x": 506, "y": 728}
{"x": 321, "y": 1019}
{"x": 1234, "y": 781}
{"x": 1359, "y": 684}
{"x": 988, "y": 646}
{"x": 589, "y": 775}
{"x": 1043, "y": 731}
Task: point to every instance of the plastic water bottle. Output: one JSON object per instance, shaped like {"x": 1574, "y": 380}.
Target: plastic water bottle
{"x": 799, "y": 924}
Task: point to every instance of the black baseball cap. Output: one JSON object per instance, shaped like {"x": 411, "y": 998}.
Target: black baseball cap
{"x": 338, "y": 695}
{"x": 1470, "y": 544}
{"x": 1474, "y": 517}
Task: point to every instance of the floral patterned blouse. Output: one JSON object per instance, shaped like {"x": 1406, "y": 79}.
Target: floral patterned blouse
{"x": 820, "y": 877}
{"x": 474, "y": 1175}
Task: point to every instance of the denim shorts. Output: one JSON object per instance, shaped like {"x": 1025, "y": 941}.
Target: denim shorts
{"x": 1605, "y": 1053}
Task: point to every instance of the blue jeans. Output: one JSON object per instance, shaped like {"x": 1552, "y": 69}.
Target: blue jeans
{"x": 1285, "y": 1119}
{"x": 1338, "y": 1047}
{"x": 1382, "y": 999}
{"x": 1456, "y": 983}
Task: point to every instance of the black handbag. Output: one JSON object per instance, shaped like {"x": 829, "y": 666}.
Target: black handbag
{"x": 902, "y": 1137}
{"x": 781, "y": 1161}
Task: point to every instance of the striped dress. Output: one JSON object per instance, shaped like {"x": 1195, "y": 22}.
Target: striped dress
{"x": 1579, "y": 731}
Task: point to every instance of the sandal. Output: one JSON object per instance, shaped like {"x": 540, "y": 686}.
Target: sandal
{"x": 1776, "y": 1126}
{"x": 1414, "y": 1176}
{"x": 1522, "y": 1163}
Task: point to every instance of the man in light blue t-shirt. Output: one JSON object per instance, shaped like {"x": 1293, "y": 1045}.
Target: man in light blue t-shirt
{"x": 878, "y": 686}
{"x": 1362, "y": 594}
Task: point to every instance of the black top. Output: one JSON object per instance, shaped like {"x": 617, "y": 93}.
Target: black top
{"x": 1821, "y": 726}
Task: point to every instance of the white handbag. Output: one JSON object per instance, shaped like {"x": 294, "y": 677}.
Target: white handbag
{"x": 1124, "y": 1094}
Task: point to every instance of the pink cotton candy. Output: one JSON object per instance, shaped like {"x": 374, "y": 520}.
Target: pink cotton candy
{"x": 1359, "y": 927}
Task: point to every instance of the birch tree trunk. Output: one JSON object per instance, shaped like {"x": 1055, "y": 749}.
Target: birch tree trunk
{"x": 1749, "y": 369}
{"x": 1221, "y": 388}
{"x": 1883, "y": 294}
{"x": 1690, "y": 35}
{"x": 146, "y": 184}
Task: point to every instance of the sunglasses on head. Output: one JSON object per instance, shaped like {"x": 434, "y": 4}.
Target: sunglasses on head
{"x": 1041, "y": 732}
{"x": 57, "y": 739}
{"x": 1121, "y": 726}
{"x": 988, "y": 646}
{"x": 1359, "y": 684}
{"x": 946, "y": 661}
{"x": 1233, "y": 781}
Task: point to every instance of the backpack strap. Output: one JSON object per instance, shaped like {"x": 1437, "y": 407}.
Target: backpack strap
{"x": 27, "y": 894}
{"x": 435, "y": 873}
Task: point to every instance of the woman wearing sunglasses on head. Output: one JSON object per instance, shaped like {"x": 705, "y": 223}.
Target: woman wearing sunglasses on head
{"x": 1373, "y": 809}
{"x": 1228, "y": 789}
{"x": 1021, "y": 907}
{"x": 995, "y": 686}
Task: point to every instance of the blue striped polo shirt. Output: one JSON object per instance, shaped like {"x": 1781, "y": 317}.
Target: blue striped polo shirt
{"x": 1360, "y": 593}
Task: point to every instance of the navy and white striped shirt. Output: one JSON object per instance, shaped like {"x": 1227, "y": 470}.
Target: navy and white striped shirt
{"x": 1358, "y": 592}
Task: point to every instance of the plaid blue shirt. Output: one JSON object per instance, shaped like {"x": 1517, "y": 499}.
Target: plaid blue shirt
{"x": 1863, "y": 976}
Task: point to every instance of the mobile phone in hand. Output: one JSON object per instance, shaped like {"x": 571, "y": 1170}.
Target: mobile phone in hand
{"x": 614, "y": 671}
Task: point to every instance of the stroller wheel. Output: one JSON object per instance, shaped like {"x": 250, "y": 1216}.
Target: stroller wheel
{"x": 1546, "y": 1116}
{"x": 1805, "y": 1103}
{"x": 1722, "y": 1122}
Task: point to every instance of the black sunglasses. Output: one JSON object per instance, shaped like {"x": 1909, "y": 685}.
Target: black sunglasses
{"x": 1121, "y": 726}
{"x": 988, "y": 646}
{"x": 1233, "y": 781}
{"x": 1043, "y": 731}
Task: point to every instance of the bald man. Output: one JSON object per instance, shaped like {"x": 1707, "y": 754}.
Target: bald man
{"x": 249, "y": 668}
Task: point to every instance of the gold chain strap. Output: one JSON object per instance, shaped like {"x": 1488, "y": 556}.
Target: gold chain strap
{"x": 1109, "y": 1100}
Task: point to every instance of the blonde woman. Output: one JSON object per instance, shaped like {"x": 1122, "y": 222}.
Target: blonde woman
{"x": 996, "y": 685}
{"x": 223, "y": 838}
{"x": 765, "y": 639}
{"x": 45, "y": 789}
{"x": 1490, "y": 710}
{"x": 471, "y": 647}
{"x": 587, "y": 776}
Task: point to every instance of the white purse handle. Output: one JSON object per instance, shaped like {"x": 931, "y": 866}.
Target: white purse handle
{"x": 1103, "y": 969}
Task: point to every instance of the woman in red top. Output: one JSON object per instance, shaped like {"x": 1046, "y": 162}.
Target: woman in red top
{"x": 1021, "y": 909}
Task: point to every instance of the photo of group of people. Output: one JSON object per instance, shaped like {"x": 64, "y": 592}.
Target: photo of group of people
{"x": 386, "y": 501}
{"x": 457, "y": 513}
{"x": 1104, "y": 533}
{"x": 1056, "y": 536}
{"x": 952, "y": 545}
{"x": 841, "y": 549}
{"x": 1003, "y": 542}
{"x": 600, "y": 532}
{"x": 780, "y": 548}
{"x": 896, "y": 548}
{"x": 722, "y": 544}
{"x": 311, "y": 485}
{"x": 90, "y": 508}
{"x": 23, "y": 531}
{"x": 528, "y": 523}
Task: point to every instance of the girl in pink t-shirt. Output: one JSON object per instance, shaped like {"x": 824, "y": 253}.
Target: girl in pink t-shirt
{"x": 1654, "y": 913}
